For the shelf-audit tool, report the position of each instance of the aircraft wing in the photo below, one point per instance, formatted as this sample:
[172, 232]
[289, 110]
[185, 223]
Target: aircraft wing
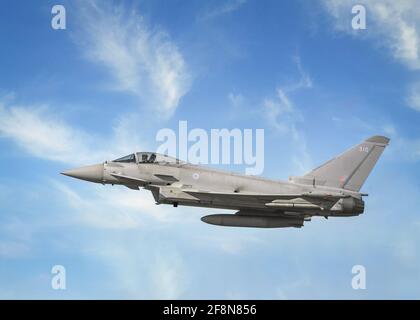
[257, 197]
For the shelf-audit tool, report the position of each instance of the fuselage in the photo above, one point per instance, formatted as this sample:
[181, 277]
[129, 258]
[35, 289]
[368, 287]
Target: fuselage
[158, 175]
[331, 189]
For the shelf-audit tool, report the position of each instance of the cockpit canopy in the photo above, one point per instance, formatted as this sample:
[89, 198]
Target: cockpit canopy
[129, 158]
[148, 157]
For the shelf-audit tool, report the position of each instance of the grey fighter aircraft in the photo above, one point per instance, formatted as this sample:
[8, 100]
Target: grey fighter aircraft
[331, 189]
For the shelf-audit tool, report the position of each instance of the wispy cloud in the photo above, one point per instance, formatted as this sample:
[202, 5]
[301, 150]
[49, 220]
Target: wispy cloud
[354, 122]
[392, 24]
[280, 112]
[143, 60]
[45, 135]
[95, 212]
[304, 81]
[169, 276]
[121, 211]
[231, 242]
[413, 98]
[227, 7]
[236, 100]
[282, 115]
[402, 148]
[12, 249]
[119, 208]
[140, 270]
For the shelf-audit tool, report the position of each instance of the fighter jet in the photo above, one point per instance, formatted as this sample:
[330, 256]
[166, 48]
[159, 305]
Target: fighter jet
[330, 190]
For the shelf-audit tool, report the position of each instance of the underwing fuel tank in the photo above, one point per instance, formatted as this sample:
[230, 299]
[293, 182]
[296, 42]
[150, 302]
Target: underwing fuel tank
[235, 220]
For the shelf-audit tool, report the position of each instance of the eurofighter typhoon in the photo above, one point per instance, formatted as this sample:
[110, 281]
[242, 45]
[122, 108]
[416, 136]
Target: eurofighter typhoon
[330, 190]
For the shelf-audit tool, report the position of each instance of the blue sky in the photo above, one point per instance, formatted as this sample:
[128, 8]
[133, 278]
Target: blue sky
[123, 70]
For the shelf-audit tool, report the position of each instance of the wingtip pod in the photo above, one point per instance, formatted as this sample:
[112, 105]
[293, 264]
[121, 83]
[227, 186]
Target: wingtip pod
[379, 139]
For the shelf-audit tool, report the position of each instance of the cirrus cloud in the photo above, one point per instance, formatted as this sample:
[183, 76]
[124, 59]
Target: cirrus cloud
[391, 24]
[143, 61]
[47, 136]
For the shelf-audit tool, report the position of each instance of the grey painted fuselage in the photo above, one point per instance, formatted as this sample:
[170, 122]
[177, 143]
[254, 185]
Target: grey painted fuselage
[329, 190]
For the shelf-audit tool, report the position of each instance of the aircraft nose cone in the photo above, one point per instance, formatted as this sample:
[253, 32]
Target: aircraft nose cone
[93, 173]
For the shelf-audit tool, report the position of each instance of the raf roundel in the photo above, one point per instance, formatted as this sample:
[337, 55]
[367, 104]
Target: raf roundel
[196, 176]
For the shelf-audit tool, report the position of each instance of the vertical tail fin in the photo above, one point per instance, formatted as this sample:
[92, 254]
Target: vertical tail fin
[350, 169]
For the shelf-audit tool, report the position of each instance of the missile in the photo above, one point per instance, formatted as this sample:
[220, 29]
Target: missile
[291, 205]
[235, 220]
